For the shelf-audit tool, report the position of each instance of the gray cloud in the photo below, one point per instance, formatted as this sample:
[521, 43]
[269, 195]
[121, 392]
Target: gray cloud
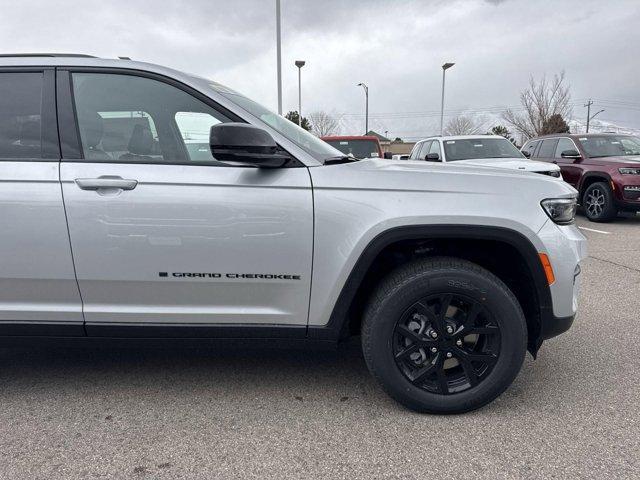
[396, 47]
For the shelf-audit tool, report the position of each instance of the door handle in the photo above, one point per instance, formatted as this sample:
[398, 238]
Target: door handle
[106, 182]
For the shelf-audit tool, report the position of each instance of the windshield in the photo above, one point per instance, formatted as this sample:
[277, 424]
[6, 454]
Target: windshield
[357, 148]
[317, 148]
[468, 148]
[610, 146]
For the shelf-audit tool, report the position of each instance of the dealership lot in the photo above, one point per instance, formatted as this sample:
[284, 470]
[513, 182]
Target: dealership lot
[257, 413]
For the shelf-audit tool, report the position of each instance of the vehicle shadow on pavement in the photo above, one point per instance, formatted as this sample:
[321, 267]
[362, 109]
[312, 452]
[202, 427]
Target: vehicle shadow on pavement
[235, 375]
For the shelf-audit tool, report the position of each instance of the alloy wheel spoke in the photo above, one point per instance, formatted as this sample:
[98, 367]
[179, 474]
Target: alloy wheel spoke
[469, 371]
[443, 385]
[487, 358]
[407, 351]
[423, 373]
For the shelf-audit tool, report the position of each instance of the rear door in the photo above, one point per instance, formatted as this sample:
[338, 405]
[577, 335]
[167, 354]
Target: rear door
[570, 171]
[163, 234]
[38, 290]
[547, 150]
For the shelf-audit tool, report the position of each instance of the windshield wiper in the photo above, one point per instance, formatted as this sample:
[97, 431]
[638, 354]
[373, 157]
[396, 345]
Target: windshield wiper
[339, 159]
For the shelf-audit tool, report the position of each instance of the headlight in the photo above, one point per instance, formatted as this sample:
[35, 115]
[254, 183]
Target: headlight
[629, 171]
[560, 210]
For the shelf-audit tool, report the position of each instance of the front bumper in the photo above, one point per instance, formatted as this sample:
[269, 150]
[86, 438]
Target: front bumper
[566, 248]
[553, 326]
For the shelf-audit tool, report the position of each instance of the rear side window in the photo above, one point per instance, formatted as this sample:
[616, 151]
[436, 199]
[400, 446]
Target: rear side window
[548, 148]
[21, 115]
[415, 151]
[530, 147]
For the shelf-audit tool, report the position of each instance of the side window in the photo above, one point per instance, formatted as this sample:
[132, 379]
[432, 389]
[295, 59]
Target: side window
[415, 151]
[21, 115]
[548, 148]
[530, 148]
[424, 150]
[435, 148]
[194, 128]
[564, 144]
[125, 118]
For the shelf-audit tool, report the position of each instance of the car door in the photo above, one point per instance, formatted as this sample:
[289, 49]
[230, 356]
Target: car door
[546, 152]
[165, 236]
[38, 290]
[570, 171]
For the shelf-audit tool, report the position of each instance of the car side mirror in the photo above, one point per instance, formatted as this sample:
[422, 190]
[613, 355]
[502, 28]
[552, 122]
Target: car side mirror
[526, 154]
[388, 155]
[574, 154]
[432, 157]
[245, 144]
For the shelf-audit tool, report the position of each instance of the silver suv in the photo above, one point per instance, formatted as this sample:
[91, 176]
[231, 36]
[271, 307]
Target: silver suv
[139, 202]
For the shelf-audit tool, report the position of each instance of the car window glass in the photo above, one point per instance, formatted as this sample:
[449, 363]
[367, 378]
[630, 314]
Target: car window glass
[548, 147]
[126, 118]
[194, 128]
[530, 147]
[563, 145]
[424, 150]
[435, 148]
[415, 151]
[20, 115]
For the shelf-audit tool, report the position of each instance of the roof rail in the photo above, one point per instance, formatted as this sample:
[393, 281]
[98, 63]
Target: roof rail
[4, 55]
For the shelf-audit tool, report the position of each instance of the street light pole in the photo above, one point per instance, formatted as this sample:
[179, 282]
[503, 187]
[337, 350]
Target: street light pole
[445, 67]
[366, 111]
[279, 56]
[300, 64]
[589, 116]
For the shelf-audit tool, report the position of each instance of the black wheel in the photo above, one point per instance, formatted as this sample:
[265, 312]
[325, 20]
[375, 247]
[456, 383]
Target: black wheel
[598, 202]
[444, 336]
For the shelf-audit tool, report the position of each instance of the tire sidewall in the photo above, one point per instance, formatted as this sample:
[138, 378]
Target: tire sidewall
[491, 295]
[609, 210]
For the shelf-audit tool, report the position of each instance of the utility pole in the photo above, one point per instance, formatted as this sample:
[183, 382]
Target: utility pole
[279, 56]
[366, 108]
[445, 67]
[588, 105]
[300, 64]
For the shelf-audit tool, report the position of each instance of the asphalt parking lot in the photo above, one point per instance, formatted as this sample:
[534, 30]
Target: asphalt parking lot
[202, 413]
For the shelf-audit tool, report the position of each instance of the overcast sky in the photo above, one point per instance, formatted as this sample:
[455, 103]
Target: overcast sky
[396, 47]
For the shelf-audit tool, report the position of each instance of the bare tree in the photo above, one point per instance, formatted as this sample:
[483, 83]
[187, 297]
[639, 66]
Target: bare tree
[540, 101]
[323, 124]
[463, 125]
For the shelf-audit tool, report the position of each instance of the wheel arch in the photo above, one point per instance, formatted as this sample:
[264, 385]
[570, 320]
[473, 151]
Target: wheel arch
[475, 243]
[590, 178]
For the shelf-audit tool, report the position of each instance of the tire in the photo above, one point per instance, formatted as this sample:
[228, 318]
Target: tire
[598, 202]
[478, 302]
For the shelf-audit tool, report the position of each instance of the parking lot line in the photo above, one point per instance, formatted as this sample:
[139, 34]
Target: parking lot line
[594, 230]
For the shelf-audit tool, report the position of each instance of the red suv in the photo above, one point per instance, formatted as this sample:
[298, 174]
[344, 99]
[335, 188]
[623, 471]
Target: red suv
[603, 167]
[365, 146]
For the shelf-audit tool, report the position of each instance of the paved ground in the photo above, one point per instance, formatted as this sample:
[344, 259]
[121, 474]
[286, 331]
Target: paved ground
[573, 413]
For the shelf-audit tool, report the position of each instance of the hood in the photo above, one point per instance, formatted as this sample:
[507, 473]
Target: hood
[451, 178]
[511, 163]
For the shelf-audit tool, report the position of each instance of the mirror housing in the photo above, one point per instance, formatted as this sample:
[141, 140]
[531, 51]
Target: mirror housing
[525, 153]
[388, 155]
[432, 157]
[243, 143]
[574, 154]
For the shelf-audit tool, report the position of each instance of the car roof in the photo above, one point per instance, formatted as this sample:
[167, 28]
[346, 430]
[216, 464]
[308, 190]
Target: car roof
[580, 135]
[458, 137]
[349, 137]
[83, 60]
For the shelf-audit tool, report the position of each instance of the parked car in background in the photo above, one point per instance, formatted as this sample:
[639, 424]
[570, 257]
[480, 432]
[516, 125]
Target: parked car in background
[400, 157]
[604, 168]
[481, 150]
[357, 146]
